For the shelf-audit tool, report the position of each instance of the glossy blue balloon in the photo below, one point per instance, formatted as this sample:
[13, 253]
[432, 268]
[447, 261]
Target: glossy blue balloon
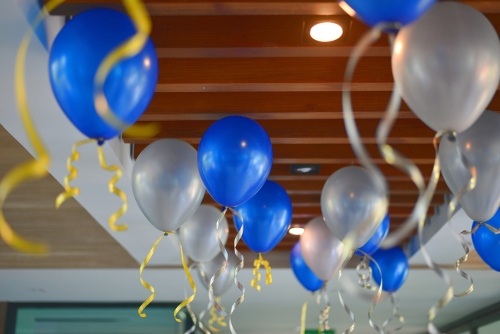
[304, 275]
[372, 12]
[75, 55]
[376, 240]
[394, 266]
[267, 217]
[234, 159]
[487, 243]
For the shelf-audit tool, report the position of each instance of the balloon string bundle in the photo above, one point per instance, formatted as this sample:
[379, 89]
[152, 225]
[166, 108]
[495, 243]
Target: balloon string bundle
[196, 322]
[304, 314]
[365, 279]
[33, 169]
[73, 191]
[395, 314]
[150, 288]
[219, 319]
[324, 313]
[224, 267]
[344, 305]
[257, 263]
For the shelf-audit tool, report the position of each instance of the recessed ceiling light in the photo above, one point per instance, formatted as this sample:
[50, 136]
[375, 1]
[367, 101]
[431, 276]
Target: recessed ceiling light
[326, 32]
[296, 230]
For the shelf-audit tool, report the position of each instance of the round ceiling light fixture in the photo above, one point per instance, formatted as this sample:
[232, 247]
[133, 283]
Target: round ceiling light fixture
[296, 230]
[326, 32]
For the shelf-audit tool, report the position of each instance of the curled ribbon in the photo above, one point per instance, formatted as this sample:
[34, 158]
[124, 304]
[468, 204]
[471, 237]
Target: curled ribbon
[224, 267]
[469, 186]
[365, 279]
[112, 189]
[324, 313]
[36, 168]
[395, 313]
[344, 305]
[219, 319]
[73, 173]
[257, 263]
[150, 288]
[304, 313]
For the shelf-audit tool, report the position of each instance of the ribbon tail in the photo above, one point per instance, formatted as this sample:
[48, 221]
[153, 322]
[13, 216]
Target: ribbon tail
[379, 293]
[146, 285]
[267, 266]
[212, 320]
[395, 313]
[238, 268]
[193, 286]
[304, 313]
[256, 273]
[431, 187]
[220, 319]
[33, 169]
[202, 314]
[113, 189]
[220, 271]
[344, 305]
[324, 314]
[70, 191]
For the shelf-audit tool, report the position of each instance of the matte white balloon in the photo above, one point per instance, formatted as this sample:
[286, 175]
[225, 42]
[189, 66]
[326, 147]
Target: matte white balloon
[352, 204]
[210, 268]
[447, 65]
[480, 144]
[198, 234]
[166, 183]
[321, 249]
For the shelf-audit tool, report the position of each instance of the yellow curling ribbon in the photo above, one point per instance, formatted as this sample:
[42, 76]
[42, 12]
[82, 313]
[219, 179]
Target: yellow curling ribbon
[128, 49]
[219, 319]
[112, 189]
[304, 313]
[257, 263]
[36, 168]
[73, 173]
[150, 288]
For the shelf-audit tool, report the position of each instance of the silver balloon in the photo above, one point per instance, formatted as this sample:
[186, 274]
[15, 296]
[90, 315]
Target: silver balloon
[198, 234]
[207, 269]
[480, 144]
[321, 249]
[166, 183]
[352, 206]
[447, 65]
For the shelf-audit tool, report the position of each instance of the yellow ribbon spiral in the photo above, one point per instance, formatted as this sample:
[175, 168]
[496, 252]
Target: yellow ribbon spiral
[112, 189]
[219, 319]
[150, 288]
[304, 313]
[34, 169]
[257, 263]
[73, 173]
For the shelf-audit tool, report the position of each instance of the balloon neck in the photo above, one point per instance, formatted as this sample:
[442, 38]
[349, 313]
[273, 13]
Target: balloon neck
[100, 141]
[452, 136]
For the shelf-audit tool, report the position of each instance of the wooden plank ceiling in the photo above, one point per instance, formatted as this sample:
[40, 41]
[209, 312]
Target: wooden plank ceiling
[219, 58]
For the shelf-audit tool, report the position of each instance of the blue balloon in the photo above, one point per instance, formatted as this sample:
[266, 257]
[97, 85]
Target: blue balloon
[234, 159]
[372, 12]
[75, 55]
[376, 240]
[304, 275]
[267, 217]
[394, 266]
[487, 243]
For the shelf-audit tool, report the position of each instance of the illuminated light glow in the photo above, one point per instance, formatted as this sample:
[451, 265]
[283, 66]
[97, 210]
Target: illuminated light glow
[147, 62]
[296, 230]
[304, 169]
[326, 32]
[243, 144]
[398, 47]
[347, 8]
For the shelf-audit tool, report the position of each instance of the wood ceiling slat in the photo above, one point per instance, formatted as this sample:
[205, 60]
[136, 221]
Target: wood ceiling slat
[270, 70]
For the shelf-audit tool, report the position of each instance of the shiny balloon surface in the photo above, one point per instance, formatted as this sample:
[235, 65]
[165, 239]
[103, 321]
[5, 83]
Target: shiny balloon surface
[166, 183]
[487, 243]
[198, 233]
[75, 55]
[480, 144]
[352, 204]
[267, 217]
[376, 240]
[210, 268]
[302, 272]
[234, 158]
[394, 266]
[447, 65]
[322, 251]
[372, 12]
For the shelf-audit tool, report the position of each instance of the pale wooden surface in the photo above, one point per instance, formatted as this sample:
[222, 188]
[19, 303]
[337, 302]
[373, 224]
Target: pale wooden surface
[76, 240]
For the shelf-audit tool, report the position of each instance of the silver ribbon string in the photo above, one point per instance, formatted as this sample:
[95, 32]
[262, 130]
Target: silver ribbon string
[324, 313]
[344, 305]
[364, 280]
[395, 314]
[224, 267]
[196, 323]
[452, 207]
